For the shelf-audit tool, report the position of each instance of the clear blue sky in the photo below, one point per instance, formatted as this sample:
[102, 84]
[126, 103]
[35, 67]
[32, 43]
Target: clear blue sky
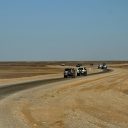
[63, 30]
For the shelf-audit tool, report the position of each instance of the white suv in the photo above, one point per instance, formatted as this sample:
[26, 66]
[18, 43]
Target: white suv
[81, 71]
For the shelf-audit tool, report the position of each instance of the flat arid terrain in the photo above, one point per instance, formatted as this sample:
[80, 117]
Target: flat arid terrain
[35, 95]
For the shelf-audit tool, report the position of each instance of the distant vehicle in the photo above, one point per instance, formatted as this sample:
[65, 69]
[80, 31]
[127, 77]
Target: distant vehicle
[91, 64]
[78, 65]
[102, 66]
[69, 73]
[62, 64]
[81, 71]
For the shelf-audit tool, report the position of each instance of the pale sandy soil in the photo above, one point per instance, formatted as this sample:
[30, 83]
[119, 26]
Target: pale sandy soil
[99, 101]
[57, 72]
[4, 82]
[48, 72]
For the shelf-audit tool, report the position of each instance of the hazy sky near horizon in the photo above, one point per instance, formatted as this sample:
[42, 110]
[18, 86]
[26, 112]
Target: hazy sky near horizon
[63, 30]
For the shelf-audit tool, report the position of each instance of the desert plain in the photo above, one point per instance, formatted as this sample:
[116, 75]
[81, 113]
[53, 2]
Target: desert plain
[98, 100]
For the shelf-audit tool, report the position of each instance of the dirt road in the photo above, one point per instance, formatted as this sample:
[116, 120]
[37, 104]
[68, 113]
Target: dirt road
[99, 101]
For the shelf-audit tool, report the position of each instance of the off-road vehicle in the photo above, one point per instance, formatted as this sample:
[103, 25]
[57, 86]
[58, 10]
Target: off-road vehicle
[81, 71]
[69, 73]
[78, 65]
[102, 66]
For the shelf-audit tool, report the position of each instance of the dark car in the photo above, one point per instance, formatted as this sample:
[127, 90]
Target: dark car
[69, 73]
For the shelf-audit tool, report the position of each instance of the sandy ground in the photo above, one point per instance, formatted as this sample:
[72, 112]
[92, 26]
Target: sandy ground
[49, 72]
[99, 101]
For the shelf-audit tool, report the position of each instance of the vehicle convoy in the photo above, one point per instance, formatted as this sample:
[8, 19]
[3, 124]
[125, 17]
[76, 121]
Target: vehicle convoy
[69, 73]
[81, 71]
[102, 66]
